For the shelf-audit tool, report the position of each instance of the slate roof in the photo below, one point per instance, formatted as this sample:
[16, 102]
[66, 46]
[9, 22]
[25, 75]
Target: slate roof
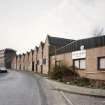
[56, 41]
[88, 43]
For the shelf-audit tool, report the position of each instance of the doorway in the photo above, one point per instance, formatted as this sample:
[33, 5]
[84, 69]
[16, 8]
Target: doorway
[41, 67]
[32, 66]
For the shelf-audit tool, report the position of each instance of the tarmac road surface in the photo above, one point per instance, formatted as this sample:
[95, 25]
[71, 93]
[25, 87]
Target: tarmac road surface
[24, 88]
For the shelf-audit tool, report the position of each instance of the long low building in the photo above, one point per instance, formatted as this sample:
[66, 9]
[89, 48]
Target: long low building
[87, 55]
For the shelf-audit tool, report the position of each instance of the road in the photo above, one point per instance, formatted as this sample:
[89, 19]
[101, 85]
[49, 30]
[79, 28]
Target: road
[25, 88]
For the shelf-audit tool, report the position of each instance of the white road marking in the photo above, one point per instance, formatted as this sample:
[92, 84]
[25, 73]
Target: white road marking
[66, 98]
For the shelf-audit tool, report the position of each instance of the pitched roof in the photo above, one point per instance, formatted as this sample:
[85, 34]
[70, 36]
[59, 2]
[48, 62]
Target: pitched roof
[58, 41]
[36, 48]
[42, 44]
[88, 43]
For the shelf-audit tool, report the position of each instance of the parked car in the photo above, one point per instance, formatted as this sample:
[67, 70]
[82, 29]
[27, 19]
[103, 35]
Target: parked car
[3, 70]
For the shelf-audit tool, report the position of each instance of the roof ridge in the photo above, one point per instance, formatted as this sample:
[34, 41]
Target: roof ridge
[59, 37]
[91, 37]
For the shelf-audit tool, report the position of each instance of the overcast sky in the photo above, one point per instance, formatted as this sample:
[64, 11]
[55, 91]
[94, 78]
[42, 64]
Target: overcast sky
[24, 23]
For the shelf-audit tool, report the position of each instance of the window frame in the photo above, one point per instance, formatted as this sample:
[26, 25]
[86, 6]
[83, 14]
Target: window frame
[101, 69]
[79, 63]
[74, 63]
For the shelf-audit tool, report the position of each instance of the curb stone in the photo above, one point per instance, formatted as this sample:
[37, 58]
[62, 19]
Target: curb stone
[77, 90]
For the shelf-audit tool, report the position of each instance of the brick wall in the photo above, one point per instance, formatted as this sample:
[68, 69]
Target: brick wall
[91, 70]
[92, 63]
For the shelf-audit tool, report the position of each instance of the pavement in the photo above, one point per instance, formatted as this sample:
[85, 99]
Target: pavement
[76, 89]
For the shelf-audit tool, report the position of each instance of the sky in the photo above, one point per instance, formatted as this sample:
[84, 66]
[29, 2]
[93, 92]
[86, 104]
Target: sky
[24, 23]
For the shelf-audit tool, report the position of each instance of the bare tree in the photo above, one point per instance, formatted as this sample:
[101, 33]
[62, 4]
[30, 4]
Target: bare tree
[98, 31]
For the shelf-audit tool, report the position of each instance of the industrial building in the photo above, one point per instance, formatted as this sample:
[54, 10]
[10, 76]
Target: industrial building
[86, 55]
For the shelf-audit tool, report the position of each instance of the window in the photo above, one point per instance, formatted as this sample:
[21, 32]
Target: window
[101, 63]
[76, 63]
[44, 61]
[80, 63]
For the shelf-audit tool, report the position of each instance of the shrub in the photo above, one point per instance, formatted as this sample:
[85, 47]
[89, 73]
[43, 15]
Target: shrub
[62, 73]
[56, 73]
[83, 82]
[70, 76]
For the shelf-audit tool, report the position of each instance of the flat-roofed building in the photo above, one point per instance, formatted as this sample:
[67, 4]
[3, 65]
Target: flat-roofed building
[6, 57]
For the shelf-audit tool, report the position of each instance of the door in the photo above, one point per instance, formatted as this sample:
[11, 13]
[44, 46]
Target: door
[32, 66]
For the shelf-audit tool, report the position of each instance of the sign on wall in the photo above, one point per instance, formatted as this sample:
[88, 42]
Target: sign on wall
[79, 54]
